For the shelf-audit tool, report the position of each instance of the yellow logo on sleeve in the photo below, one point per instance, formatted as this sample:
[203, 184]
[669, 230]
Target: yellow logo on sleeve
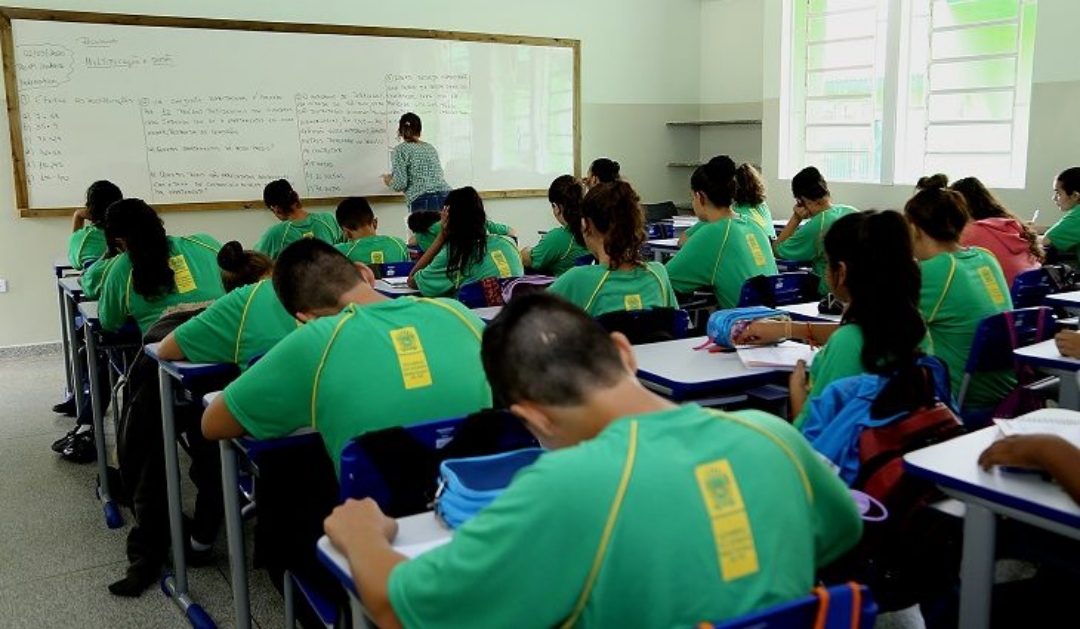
[500, 261]
[633, 302]
[755, 250]
[185, 281]
[415, 372]
[377, 257]
[992, 288]
[732, 534]
[308, 235]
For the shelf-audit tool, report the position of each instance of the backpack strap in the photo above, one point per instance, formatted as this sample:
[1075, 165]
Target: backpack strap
[845, 610]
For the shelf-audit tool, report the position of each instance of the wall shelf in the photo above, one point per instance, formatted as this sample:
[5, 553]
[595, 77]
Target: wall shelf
[714, 123]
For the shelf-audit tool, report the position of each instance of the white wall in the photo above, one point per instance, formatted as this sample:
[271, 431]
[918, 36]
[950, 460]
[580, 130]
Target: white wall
[640, 68]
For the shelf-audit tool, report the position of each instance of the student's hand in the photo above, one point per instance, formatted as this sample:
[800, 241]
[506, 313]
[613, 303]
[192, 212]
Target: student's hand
[761, 333]
[1027, 451]
[358, 520]
[82, 214]
[1068, 343]
[386, 179]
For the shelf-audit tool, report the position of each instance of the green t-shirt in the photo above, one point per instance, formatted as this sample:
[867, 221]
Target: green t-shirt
[759, 215]
[959, 290]
[375, 249]
[1065, 234]
[556, 252]
[316, 225]
[236, 328]
[501, 259]
[695, 228]
[723, 514]
[86, 245]
[392, 363]
[92, 278]
[807, 244]
[425, 239]
[196, 277]
[840, 358]
[598, 290]
[722, 255]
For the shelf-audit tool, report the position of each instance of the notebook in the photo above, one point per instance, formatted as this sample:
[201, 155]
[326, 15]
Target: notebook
[782, 356]
[1046, 421]
[397, 281]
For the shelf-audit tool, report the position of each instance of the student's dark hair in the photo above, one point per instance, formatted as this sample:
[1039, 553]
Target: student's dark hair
[354, 213]
[981, 203]
[614, 209]
[543, 349]
[809, 183]
[99, 196]
[605, 170]
[716, 180]
[938, 180]
[240, 267]
[568, 193]
[421, 222]
[466, 230]
[749, 186]
[146, 244]
[940, 212]
[1070, 179]
[311, 274]
[280, 194]
[883, 280]
[409, 127]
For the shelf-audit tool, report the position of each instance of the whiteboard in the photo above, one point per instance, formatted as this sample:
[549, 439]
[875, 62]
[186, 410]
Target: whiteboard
[182, 116]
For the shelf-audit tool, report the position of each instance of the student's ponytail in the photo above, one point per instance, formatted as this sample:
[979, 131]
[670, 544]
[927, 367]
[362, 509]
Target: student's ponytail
[749, 186]
[716, 180]
[240, 267]
[568, 193]
[605, 170]
[940, 213]
[614, 210]
[143, 234]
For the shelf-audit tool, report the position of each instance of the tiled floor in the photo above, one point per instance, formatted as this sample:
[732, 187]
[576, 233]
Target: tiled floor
[56, 555]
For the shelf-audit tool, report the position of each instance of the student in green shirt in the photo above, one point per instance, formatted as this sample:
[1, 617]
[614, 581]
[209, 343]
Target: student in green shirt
[729, 249]
[813, 203]
[87, 242]
[871, 268]
[1065, 234]
[749, 203]
[558, 250]
[644, 514]
[602, 170]
[961, 286]
[464, 252]
[362, 241]
[155, 273]
[295, 222]
[426, 227]
[361, 362]
[240, 326]
[613, 225]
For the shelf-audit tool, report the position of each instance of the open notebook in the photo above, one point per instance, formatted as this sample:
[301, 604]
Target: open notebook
[1052, 421]
[782, 356]
[398, 281]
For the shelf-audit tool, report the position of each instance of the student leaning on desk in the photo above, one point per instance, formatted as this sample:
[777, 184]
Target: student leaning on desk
[647, 514]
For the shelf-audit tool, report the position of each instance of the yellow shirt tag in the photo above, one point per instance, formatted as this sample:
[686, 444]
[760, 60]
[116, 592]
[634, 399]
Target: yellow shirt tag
[185, 281]
[633, 302]
[755, 250]
[377, 257]
[992, 288]
[411, 357]
[500, 261]
[732, 534]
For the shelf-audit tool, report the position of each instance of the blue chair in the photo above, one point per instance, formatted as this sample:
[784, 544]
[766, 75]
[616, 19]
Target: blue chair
[779, 290]
[651, 325]
[586, 260]
[1030, 288]
[992, 350]
[393, 269]
[847, 606]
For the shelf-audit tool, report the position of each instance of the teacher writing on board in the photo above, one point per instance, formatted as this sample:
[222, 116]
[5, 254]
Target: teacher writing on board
[416, 169]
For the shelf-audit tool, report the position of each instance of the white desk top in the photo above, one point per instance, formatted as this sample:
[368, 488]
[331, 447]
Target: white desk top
[70, 285]
[417, 534]
[676, 369]
[810, 311]
[1064, 299]
[488, 313]
[1046, 354]
[953, 465]
[209, 398]
[89, 310]
[394, 291]
[671, 244]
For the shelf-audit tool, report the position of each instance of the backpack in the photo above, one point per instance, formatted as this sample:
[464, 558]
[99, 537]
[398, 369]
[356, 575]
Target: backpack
[517, 286]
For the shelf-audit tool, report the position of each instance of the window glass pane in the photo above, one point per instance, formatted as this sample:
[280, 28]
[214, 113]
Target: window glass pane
[839, 138]
[989, 168]
[821, 6]
[842, 26]
[968, 42]
[958, 13]
[843, 110]
[973, 74]
[845, 166]
[840, 82]
[969, 138]
[976, 106]
[840, 54]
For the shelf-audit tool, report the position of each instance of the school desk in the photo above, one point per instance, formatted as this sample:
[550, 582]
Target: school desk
[488, 313]
[97, 340]
[416, 534]
[953, 466]
[662, 247]
[383, 287]
[187, 376]
[70, 293]
[809, 312]
[61, 268]
[1069, 301]
[1046, 357]
[678, 371]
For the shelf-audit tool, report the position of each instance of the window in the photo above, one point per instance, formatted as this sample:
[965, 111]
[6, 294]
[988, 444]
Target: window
[885, 91]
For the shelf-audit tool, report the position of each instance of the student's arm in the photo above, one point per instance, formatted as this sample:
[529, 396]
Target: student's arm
[361, 531]
[433, 280]
[500, 229]
[766, 332]
[687, 269]
[168, 348]
[218, 422]
[399, 171]
[1068, 343]
[1058, 457]
[792, 226]
[113, 309]
[428, 257]
[797, 244]
[78, 219]
[798, 389]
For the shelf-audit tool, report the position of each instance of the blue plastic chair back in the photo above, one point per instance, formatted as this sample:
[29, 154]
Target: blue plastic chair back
[586, 260]
[393, 269]
[1030, 288]
[785, 288]
[847, 606]
[998, 335]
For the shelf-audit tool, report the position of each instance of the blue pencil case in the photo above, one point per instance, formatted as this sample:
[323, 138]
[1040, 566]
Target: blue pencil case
[468, 485]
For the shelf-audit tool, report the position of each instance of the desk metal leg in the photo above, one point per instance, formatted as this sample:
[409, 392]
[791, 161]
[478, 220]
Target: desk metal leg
[112, 513]
[176, 585]
[234, 532]
[1069, 393]
[77, 369]
[658, 256]
[977, 570]
[65, 336]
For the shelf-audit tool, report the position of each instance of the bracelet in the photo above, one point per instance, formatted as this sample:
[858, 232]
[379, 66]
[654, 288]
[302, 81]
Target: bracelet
[810, 335]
